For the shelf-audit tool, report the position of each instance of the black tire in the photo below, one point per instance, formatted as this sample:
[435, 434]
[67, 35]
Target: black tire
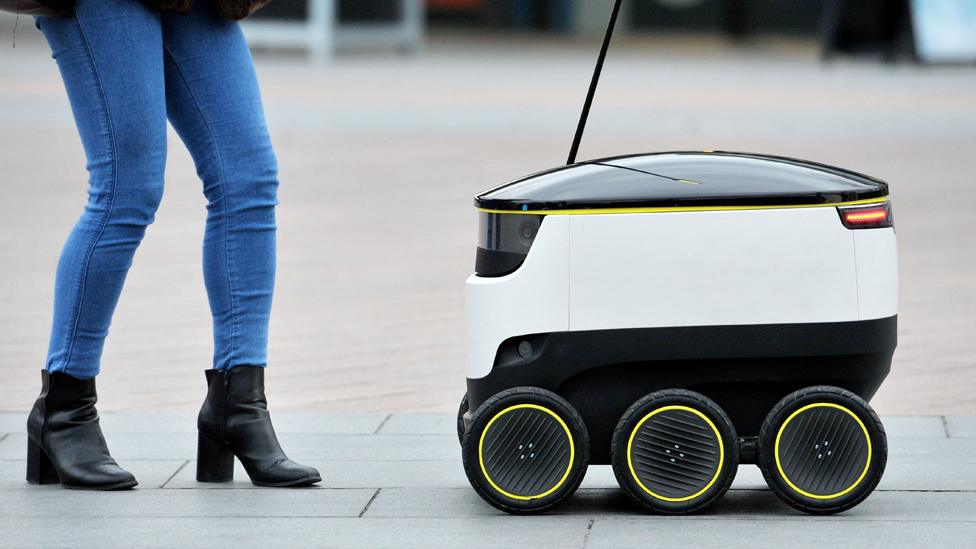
[462, 409]
[526, 450]
[822, 450]
[675, 452]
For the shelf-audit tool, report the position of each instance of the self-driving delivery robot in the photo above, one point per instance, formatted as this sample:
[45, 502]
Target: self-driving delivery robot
[675, 315]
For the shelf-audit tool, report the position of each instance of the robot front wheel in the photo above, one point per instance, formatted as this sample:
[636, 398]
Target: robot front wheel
[525, 450]
[675, 452]
[822, 450]
[462, 409]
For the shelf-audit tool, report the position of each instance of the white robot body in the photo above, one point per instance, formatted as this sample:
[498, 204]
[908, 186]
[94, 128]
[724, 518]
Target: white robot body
[678, 266]
[588, 270]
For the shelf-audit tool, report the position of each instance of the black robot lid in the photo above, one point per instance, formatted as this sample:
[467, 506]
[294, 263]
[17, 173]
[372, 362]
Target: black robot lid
[683, 180]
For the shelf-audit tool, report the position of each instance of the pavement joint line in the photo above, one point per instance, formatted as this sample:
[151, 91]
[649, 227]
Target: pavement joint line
[387, 418]
[171, 477]
[370, 502]
[586, 535]
[945, 426]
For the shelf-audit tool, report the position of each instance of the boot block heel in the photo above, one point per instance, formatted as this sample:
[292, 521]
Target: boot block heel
[40, 470]
[215, 462]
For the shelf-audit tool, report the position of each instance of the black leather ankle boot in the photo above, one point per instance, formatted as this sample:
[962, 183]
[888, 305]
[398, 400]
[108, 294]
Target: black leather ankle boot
[234, 421]
[65, 443]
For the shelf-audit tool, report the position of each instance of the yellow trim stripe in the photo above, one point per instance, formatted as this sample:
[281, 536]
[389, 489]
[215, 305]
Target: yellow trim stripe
[595, 211]
[569, 467]
[721, 453]
[867, 463]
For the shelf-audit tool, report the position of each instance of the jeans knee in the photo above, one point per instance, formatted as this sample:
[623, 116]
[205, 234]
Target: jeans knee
[261, 183]
[140, 171]
[250, 183]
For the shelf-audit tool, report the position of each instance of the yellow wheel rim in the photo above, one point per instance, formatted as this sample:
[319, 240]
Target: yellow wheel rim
[718, 468]
[867, 462]
[569, 466]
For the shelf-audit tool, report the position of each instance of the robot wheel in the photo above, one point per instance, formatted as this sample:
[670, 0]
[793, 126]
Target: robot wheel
[526, 450]
[822, 450]
[674, 452]
[462, 409]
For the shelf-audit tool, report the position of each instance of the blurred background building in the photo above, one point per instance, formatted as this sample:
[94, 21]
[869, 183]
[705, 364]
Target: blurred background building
[890, 28]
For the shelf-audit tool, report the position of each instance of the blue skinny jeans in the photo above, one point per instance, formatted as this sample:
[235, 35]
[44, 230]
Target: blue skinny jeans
[127, 69]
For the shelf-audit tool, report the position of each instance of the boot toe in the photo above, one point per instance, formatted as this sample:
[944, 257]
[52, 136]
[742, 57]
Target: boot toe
[105, 477]
[287, 473]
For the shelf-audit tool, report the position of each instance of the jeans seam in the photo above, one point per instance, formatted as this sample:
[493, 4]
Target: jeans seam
[225, 208]
[111, 204]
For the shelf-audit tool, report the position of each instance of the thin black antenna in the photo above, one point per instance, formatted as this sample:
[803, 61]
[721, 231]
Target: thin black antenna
[596, 79]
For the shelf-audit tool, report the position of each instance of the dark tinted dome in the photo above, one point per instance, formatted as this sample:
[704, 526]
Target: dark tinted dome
[680, 179]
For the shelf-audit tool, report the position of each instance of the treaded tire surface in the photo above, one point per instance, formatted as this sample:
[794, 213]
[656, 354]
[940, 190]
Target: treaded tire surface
[462, 409]
[502, 467]
[811, 475]
[674, 452]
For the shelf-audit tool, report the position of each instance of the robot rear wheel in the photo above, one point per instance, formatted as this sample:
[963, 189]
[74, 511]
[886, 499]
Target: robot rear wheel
[526, 450]
[675, 452]
[822, 450]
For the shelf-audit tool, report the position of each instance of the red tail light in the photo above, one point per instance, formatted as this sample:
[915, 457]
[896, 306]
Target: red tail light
[874, 216]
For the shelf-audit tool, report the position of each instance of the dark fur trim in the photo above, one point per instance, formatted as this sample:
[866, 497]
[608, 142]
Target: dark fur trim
[238, 9]
[179, 6]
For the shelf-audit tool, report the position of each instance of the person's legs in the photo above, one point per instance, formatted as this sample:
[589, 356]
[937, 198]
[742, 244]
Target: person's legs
[110, 57]
[214, 103]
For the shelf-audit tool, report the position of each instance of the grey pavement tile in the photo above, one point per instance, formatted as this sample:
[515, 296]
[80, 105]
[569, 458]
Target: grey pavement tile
[13, 422]
[930, 464]
[961, 426]
[426, 424]
[123, 446]
[464, 502]
[305, 502]
[372, 447]
[881, 505]
[346, 533]
[362, 423]
[355, 474]
[151, 473]
[914, 426]
[803, 531]
[183, 445]
[736, 504]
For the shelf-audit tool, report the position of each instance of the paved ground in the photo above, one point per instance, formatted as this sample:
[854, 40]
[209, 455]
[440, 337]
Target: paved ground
[396, 481]
[380, 156]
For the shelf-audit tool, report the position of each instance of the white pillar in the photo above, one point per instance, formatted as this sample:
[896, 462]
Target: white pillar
[322, 20]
